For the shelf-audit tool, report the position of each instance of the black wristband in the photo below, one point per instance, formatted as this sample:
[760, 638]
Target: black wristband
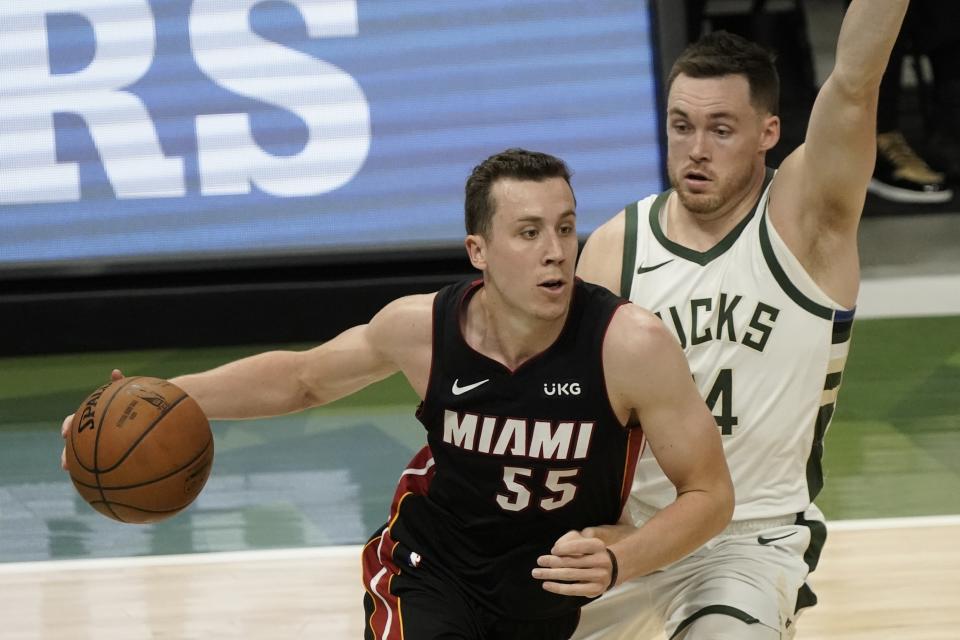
[614, 569]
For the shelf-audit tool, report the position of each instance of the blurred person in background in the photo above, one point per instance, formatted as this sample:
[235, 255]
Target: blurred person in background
[912, 167]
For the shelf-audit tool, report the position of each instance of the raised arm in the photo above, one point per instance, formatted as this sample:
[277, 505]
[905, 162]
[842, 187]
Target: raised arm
[278, 382]
[818, 195]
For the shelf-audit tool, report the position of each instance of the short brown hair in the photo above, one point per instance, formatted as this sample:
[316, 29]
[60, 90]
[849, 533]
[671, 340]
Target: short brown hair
[721, 54]
[512, 163]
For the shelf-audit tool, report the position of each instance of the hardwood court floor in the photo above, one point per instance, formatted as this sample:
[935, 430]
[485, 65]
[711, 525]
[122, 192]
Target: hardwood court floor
[875, 582]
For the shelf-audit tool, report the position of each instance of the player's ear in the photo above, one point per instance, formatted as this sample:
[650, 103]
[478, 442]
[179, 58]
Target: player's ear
[769, 132]
[476, 246]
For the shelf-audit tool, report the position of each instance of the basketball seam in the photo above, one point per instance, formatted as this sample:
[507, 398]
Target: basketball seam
[73, 444]
[141, 484]
[96, 446]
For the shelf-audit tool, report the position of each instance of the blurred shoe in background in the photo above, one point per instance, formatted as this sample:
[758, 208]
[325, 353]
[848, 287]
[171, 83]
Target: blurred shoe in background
[902, 175]
[943, 153]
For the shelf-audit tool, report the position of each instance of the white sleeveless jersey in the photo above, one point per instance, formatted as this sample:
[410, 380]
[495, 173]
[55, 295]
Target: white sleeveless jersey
[766, 347]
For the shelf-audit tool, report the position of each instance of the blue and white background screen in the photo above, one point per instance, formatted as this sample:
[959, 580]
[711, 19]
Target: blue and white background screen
[136, 130]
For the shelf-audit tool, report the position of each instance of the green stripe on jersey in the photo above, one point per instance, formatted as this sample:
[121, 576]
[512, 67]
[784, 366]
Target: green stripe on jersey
[780, 275]
[629, 249]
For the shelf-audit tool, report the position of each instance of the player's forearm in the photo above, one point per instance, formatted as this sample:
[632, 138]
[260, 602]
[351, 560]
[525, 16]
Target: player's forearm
[867, 36]
[674, 532]
[262, 385]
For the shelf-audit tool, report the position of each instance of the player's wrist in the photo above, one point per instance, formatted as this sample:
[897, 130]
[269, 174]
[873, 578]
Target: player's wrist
[614, 569]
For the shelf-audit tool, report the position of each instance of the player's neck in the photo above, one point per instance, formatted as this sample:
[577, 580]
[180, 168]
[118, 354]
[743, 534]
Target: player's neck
[506, 334]
[702, 231]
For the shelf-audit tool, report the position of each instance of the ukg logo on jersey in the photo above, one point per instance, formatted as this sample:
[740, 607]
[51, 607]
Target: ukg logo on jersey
[561, 388]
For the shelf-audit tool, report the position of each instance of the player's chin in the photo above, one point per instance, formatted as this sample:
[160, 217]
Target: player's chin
[552, 309]
[701, 202]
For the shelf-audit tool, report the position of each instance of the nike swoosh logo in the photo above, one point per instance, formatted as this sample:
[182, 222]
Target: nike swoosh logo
[763, 540]
[458, 390]
[643, 269]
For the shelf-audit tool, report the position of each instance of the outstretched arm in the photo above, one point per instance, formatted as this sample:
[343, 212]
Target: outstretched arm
[279, 382]
[818, 196]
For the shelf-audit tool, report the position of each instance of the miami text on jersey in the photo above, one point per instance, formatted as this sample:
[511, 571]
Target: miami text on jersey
[540, 439]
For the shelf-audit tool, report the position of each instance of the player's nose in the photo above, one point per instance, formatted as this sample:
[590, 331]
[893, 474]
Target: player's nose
[553, 250]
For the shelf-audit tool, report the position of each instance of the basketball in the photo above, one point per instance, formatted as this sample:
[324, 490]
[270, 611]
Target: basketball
[139, 450]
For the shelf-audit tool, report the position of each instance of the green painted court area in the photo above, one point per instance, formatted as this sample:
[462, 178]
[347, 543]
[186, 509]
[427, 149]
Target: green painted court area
[326, 476]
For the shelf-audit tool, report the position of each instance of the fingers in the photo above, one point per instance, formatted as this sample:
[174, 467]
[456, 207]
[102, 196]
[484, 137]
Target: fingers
[575, 562]
[64, 430]
[115, 375]
[65, 426]
[577, 545]
[575, 574]
[568, 536]
[585, 589]
[572, 581]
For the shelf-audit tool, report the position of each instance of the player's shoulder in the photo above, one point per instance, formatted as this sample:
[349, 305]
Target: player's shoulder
[415, 304]
[637, 349]
[599, 261]
[610, 231]
[412, 308]
[636, 333]
[404, 320]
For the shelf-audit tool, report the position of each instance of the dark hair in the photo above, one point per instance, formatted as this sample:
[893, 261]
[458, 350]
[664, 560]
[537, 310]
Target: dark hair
[512, 163]
[721, 54]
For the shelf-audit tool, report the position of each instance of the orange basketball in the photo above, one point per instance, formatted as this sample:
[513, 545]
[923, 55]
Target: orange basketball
[139, 449]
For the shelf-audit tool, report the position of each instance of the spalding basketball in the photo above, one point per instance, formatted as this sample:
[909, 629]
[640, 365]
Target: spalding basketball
[139, 450]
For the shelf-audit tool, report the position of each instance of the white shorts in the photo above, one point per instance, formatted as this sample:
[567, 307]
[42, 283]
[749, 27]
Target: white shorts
[753, 571]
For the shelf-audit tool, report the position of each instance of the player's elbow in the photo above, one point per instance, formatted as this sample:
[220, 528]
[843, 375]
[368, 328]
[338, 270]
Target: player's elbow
[855, 87]
[722, 501]
[720, 512]
[726, 501]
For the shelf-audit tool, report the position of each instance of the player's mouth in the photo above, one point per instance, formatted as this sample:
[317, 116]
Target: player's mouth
[696, 179]
[554, 285]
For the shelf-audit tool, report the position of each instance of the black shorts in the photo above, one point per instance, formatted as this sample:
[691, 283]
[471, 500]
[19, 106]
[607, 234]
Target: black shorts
[413, 603]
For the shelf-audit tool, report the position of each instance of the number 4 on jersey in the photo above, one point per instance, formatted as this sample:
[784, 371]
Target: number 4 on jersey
[722, 391]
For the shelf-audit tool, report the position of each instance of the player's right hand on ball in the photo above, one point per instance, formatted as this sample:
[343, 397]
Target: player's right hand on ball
[115, 375]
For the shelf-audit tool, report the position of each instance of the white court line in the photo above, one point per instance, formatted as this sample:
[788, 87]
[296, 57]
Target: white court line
[213, 557]
[893, 523]
[909, 297]
[345, 551]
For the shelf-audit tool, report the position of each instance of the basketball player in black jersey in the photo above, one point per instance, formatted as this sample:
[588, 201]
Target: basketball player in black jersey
[538, 392]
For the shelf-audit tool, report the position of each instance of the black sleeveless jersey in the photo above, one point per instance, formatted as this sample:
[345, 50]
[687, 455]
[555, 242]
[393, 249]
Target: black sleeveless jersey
[521, 457]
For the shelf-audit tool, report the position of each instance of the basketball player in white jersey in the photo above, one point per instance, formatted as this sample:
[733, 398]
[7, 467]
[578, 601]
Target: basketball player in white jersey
[756, 274]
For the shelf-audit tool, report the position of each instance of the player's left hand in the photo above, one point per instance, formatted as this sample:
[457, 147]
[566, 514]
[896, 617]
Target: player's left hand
[576, 566]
